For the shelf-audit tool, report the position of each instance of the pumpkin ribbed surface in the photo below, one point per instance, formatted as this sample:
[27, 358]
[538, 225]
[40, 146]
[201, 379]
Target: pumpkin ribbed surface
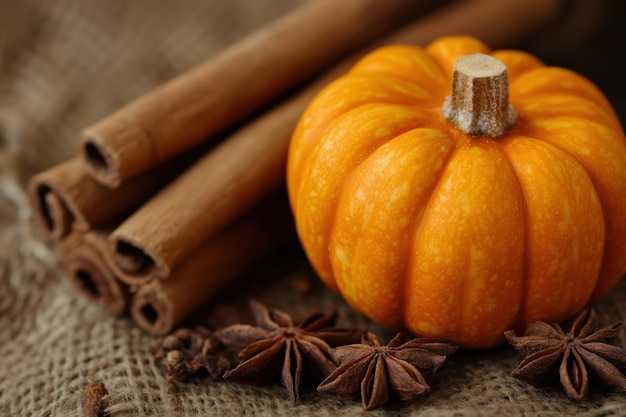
[422, 226]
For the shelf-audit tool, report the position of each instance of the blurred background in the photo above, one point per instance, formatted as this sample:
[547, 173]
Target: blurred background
[593, 45]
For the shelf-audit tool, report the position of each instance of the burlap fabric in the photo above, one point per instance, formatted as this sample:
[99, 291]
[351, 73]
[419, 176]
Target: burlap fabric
[63, 65]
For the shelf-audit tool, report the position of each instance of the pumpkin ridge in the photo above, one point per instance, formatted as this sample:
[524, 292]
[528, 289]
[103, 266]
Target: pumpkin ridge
[303, 135]
[363, 106]
[306, 159]
[416, 231]
[381, 202]
[405, 120]
[600, 183]
[519, 323]
[396, 80]
[517, 62]
[543, 80]
[385, 61]
[398, 84]
[467, 309]
[563, 105]
[564, 280]
[417, 221]
[441, 249]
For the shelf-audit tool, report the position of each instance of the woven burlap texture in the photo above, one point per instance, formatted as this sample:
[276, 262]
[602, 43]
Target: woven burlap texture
[67, 63]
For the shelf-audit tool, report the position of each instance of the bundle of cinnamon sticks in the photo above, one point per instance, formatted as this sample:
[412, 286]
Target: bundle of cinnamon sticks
[153, 223]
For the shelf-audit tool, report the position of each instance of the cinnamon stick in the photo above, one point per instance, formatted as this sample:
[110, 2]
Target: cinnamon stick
[497, 23]
[90, 273]
[209, 195]
[160, 305]
[234, 83]
[251, 162]
[64, 199]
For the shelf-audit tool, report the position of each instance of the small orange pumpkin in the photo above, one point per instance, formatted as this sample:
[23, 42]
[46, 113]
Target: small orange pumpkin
[455, 233]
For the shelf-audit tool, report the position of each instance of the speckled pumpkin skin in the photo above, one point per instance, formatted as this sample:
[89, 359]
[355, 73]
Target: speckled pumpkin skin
[423, 227]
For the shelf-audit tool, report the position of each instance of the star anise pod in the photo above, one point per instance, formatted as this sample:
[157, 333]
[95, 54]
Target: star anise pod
[375, 373]
[275, 347]
[551, 354]
[186, 352]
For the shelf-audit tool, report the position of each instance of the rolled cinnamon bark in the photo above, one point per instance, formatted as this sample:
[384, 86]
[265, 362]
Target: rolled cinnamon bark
[251, 162]
[64, 199]
[234, 83]
[497, 23]
[160, 305]
[90, 273]
[209, 195]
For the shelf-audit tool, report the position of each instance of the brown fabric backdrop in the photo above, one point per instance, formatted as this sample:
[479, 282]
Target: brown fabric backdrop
[67, 63]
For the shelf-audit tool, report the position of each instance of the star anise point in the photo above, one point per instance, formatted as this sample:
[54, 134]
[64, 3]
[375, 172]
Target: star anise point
[573, 357]
[277, 348]
[376, 373]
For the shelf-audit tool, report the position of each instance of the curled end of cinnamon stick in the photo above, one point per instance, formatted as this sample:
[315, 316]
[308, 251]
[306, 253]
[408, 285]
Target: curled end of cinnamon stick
[100, 163]
[152, 312]
[50, 210]
[133, 264]
[90, 275]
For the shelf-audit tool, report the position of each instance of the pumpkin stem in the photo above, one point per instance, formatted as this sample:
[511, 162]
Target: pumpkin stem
[479, 101]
